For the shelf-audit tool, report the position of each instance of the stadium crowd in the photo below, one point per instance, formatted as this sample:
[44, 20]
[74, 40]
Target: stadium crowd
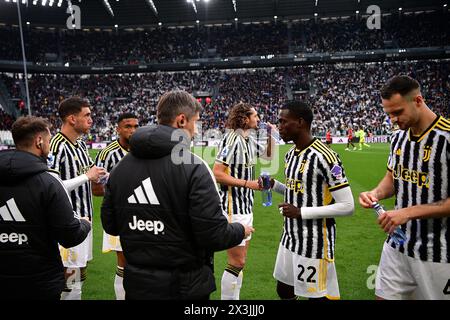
[352, 34]
[6, 120]
[340, 94]
[349, 94]
[169, 44]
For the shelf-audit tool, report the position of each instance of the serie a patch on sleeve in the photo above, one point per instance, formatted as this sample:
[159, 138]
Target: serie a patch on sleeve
[336, 171]
[224, 152]
[50, 160]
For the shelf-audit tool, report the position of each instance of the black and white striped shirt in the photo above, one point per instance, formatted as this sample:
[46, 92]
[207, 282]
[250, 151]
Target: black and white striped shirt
[110, 156]
[311, 175]
[420, 168]
[239, 154]
[71, 160]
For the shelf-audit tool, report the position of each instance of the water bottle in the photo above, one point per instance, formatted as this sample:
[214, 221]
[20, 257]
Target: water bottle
[266, 191]
[398, 235]
[103, 179]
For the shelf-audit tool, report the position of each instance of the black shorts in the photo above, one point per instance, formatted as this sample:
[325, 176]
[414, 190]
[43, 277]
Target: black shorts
[328, 142]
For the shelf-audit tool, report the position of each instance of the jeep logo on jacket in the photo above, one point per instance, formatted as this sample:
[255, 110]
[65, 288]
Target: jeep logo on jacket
[155, 226]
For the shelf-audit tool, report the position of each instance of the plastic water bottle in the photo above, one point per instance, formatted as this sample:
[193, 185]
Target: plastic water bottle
[103, 179]
[266, 192]
[398, 235]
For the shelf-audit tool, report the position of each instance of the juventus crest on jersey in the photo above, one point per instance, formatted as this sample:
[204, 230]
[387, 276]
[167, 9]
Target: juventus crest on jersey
[311, 175]
[419, 166]
[71, 160]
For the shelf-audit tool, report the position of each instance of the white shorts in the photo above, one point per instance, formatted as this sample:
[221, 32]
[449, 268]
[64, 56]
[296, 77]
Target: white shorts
[400, 277]
[311, 278]
[246, 219]
[78, 256]
[111, 243]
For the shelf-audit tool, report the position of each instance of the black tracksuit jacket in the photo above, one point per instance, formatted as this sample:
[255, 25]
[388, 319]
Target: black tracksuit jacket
[35, 214]
[168, 235]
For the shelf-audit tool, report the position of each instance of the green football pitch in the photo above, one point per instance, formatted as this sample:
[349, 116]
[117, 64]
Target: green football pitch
[358, 243]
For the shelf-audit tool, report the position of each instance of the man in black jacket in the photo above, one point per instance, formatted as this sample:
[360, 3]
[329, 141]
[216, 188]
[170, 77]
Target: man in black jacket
[35, 214]
[163, 202]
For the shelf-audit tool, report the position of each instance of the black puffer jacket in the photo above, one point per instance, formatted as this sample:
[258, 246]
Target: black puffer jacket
[35, 214]
[168, 216]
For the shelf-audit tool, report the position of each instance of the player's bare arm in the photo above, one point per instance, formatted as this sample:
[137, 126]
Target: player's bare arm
[384, 190]
[391, 219]
[222, 177]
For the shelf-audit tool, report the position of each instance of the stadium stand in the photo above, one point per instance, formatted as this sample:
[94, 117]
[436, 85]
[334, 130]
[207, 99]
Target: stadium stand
[341, 94]
[153, 45]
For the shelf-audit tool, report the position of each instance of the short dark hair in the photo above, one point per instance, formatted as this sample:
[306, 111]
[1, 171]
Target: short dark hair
[175, 102]
[299, 109]
[126, 115]
[238, 113]
[399, 84]
[72, 106]
[25, 129]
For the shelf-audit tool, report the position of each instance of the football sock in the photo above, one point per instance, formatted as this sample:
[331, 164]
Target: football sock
[118, 284]
[229, 285]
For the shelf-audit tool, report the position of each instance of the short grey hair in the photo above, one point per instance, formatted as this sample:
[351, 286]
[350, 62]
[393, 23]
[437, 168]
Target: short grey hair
[175, 102]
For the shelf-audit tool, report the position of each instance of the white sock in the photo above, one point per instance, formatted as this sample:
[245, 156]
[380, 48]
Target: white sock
[118, 284]
[229, 286]
[239, 285]
[65, 294]
[74, 292]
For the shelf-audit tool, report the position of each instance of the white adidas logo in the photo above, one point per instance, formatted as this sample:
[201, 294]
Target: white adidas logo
[144, 195]
[10, 212]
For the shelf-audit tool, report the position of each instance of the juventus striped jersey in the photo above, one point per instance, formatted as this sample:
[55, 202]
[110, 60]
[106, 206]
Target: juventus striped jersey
[420, 168]
[311, 175]
[110, 156]
[71, 160]
[239, 155]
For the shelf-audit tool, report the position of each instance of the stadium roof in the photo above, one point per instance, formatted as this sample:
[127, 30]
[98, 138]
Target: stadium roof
[108, 13]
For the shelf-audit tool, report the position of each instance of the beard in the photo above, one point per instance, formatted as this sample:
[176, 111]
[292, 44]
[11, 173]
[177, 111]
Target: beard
[81, 131]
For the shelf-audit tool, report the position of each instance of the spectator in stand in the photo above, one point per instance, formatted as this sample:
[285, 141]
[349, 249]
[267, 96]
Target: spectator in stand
[328, 139]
